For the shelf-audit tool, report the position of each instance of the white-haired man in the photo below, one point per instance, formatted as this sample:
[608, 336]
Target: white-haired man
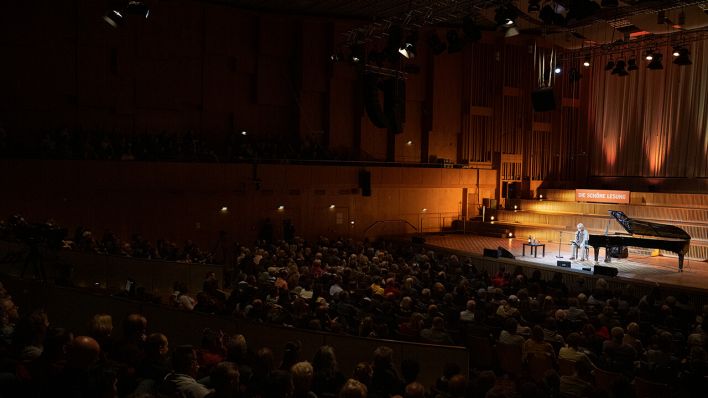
[581, 243]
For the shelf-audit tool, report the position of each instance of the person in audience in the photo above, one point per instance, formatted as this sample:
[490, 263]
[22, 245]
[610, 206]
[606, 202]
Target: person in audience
[468, 314]
[155, 366]
[181, 381]
[9, 315]
[436, 334]
[509, 333]
[385, 380]
[536, 344]
[580, 383]
[617, 355]
[572, 351]
[302, 380]
[101, 329]
[327, 377]
[225, 381]
[353, 389]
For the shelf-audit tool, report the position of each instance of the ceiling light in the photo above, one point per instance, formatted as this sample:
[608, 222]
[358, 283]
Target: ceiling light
[655, 63]
[586, 62]
[557, 70]
[505, 16]
[676, 52]
[332, 206]
[632, 64]
[684, 57]
[114, 18]
[357, 53]
[138, 8]
[244, 132]
[408, 48]
[610, 65]
[649, 56]
[409, 142]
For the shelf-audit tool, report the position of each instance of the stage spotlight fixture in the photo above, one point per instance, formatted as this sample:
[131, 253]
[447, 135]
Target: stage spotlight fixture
[334, 57]
[632, 64]
[609, 3]
[534, 5]
[138, 8]
[649, 56]
[511, 32]
[557, 70]
[470, 29]
[610, 65]
[244, 132]
[114, 18]
[408, 48]
[454, 44]
[676, 52]
[655, 63]
[510, 234]
[505, 16]
[357, 54]
[436, 44]
[619, 69]
[684, 57]
[332, 206]
[586, 62]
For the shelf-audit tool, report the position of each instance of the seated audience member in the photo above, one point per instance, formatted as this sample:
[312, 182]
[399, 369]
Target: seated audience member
[508, 334]
[414, 390]
[436, 334]
[181, 382]
[618, 357]
[327, 377]
[353, 389]
[572, 352]
[580, 383]
[363, 373]
[302, 380]
[155, 366]
[468, 314]
[385, 380]
[225, 381]
[181, 299]
[101, 329]
[536, 345]
[211, 352]
[279, 385]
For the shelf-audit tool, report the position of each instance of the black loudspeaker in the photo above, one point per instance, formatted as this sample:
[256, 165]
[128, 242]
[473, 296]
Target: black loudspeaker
[419, 240]
[505, 253]
[494, 253]
[603, 270]
[372, 103]
[395, 104]
[365, 182]
[543, 99]
[565, 264]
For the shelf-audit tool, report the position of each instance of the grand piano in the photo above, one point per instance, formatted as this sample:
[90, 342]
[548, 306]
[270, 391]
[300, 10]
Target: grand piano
[642, 234]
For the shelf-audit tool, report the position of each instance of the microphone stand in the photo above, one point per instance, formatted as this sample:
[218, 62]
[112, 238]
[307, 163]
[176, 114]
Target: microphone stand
[560, 242]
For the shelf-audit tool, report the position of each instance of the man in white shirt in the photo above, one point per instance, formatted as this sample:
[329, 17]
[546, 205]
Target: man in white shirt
[580, 243]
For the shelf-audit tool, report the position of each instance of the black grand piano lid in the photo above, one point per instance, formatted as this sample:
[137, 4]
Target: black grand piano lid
[638, 227]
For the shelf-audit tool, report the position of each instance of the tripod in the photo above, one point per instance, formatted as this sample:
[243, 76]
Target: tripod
[560, 242]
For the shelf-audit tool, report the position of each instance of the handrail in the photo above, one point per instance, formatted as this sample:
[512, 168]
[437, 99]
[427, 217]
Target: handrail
[388, 221]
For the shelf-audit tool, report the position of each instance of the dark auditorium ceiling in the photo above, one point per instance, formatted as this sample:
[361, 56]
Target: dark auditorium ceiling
[602, 25]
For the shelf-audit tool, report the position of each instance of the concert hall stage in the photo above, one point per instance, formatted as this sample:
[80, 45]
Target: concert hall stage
[640, 268]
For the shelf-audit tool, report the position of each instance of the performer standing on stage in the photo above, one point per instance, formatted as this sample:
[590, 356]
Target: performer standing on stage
[580, 243]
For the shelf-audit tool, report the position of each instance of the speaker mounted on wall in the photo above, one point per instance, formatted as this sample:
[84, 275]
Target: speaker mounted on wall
[543, 99]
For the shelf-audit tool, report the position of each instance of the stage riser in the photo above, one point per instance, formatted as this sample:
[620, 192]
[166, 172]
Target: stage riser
[658, 213]
[638, 198]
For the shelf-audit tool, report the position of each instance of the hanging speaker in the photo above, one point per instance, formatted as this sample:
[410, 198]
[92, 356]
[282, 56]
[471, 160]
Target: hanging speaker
[371, 101]
[395, 103]
[365, 182]
[543, 99]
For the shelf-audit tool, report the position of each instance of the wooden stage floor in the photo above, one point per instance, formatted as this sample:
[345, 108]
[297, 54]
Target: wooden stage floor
[660, 269]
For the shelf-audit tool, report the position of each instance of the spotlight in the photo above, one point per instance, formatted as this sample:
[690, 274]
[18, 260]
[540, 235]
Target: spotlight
[511, 32]
[586, 62]
[676, 52]
[510, 234]
[335, 57]
[138, 8]
[557, 70]
[655, 63]
[649, 56]
[619, 69]
[505, 16]
[114, 18]
[436, 44]
[357, 54]
[224, 209]
[332, 206]
[684, 57]
[281, 208]
[610, 65]
[534, 5]
[423, 210]
[632, 64]
[409, 142]
[454, 44]
[408, 47]
[244, 132]
[610, 3]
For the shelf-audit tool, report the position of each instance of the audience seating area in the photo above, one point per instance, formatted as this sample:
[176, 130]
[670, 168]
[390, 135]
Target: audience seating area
[514, 325]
